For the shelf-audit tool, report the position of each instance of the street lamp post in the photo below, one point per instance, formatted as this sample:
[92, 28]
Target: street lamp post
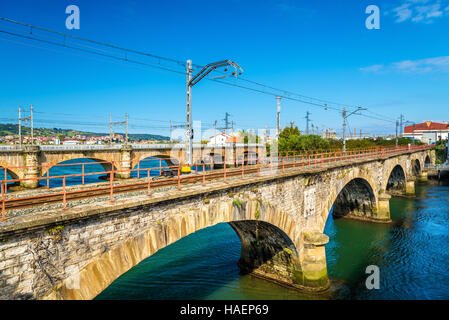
[191, 81]
[345, 116]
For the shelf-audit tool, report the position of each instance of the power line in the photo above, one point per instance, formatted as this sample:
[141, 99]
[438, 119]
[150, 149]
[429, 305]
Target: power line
[162, 67]
[89, 49]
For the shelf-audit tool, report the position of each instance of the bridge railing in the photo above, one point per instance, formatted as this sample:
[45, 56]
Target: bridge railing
[387, 151]
[133, 145]
[351, 153]
[11, 148]
[248, 165]
[443, 166]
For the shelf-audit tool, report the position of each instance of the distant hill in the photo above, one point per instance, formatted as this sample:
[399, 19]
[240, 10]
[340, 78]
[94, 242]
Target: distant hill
[13, 129]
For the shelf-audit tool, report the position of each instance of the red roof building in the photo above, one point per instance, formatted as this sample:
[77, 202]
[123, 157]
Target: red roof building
[427, 132]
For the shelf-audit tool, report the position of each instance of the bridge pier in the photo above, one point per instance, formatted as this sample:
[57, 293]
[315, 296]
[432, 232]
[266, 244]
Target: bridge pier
[31, 159]
[423, 177]
[383, 207]
[433, 156]
[313, 273]
[126, 163]
[410, 188]
[267, 252]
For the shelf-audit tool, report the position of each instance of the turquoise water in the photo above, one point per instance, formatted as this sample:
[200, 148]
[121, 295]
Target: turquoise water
[75, 167]
[412, 255]
[8, 176]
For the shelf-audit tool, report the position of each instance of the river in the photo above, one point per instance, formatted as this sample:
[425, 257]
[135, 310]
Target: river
[412, 255]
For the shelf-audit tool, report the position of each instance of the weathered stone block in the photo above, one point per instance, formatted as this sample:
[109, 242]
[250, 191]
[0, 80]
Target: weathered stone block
[15, 251]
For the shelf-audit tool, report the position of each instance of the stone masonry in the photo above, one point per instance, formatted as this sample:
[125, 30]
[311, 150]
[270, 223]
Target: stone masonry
[280, 218]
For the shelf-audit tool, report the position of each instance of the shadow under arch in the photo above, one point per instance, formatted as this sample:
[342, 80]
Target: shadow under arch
[356, 199]
[396, 180]
[427, 161]
[263, 246]
[416, 167]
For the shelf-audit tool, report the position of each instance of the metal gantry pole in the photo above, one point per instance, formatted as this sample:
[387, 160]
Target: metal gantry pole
[397, 133]
[110, 128]
[307, 122]
[32, 130]
[189, 112]
[279, 116]
[20, 129]
[191, 81]
[215, 128]
[344, 130]
[126, 123]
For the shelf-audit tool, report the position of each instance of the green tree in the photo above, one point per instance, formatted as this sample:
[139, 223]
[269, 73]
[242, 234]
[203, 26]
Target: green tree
[61, 137]
[249, 137]
[290, 139]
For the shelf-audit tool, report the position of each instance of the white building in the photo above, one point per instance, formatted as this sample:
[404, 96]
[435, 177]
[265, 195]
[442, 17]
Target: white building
[70, 143]
[428, 132]
[219, 139]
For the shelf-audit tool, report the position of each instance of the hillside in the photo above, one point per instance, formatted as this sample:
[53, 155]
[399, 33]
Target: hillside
[13, 129]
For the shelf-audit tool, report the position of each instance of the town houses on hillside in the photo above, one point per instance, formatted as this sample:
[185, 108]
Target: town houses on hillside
[69, 140]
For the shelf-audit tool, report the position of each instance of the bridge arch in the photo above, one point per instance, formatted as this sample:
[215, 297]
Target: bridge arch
[270, 241]
[427, 161]
[356, 199]
[416, 167]
[107, 165]
[168, 160]
[341, 193]
[12, 173]
[396, 180]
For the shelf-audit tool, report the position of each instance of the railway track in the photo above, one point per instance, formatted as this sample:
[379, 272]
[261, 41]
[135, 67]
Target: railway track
[21, 203]
[26, 202]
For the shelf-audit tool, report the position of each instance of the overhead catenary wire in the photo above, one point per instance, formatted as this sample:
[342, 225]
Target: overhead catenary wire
[183, 72]
[286, 94]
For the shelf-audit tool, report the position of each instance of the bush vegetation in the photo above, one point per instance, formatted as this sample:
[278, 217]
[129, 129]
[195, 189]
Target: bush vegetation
[291, 139]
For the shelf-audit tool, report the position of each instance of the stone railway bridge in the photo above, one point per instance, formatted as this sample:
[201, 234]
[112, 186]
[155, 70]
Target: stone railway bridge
[35, 162]
[279, 218]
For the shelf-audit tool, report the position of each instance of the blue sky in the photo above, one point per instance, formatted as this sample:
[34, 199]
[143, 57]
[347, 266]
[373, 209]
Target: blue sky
[319, 48]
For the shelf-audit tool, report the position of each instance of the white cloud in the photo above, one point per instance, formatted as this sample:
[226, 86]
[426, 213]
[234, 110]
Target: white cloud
[425, 11]
[374, 68]
[437, 64]
[403, 13]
